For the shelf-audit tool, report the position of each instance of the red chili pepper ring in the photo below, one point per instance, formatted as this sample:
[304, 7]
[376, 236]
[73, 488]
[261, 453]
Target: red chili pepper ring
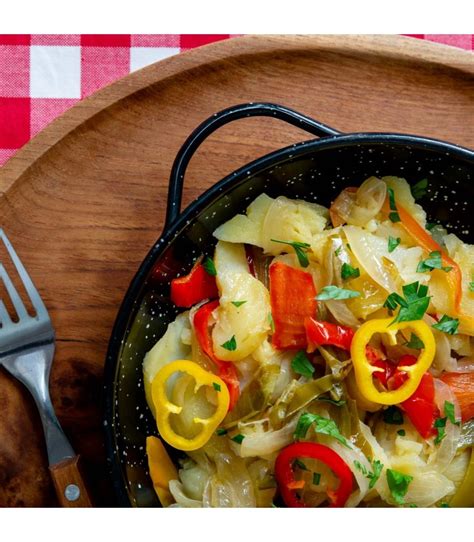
[285, 475]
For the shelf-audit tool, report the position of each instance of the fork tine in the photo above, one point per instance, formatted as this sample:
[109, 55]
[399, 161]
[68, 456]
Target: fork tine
[27, 282]
[14, 295]
[4, 316]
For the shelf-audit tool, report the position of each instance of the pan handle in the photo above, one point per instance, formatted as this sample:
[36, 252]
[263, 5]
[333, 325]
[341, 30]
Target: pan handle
[206, 128]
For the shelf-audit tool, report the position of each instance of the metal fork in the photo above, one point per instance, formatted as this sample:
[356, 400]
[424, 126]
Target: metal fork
[26, 352]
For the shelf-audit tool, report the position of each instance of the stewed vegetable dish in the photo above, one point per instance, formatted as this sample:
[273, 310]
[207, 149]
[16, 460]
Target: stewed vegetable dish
[322, 357]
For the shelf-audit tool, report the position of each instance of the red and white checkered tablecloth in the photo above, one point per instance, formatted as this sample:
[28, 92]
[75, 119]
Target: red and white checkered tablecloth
[41, 76]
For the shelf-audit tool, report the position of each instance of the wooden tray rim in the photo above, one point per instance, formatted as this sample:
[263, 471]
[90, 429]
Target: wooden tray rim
[391, 46]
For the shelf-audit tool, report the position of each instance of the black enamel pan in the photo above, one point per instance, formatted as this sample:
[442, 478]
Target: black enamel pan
[315, 170]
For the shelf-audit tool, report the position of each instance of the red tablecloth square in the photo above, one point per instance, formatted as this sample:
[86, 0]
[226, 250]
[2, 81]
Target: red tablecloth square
[102, 65]
[15, 122]
[110, 40]
[15, 39]
[14, 71]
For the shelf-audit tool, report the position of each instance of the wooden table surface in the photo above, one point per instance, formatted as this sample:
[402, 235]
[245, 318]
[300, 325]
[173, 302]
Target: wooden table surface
[84, 200]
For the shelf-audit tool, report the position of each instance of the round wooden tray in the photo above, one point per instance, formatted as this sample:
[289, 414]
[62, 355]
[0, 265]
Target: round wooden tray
[84, 200]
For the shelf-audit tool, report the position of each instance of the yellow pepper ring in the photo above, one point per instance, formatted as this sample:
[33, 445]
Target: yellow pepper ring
[363, 369]
[164, 408]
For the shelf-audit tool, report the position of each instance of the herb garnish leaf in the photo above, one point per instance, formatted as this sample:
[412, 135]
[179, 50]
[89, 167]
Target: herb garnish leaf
[434, 261]
[447, 324]
[322, 425]
[299, 248]
[301, 364]
[393, 243]
[415, 342]
[398, 484]
[374, 475]
[412, 306]
[393, 216]
[449, 413]
[440, 425]
[238, 438]
[238, 303]
[209, 266]
[349, 272]
[231, 344]
[418, 190]
[333, 292]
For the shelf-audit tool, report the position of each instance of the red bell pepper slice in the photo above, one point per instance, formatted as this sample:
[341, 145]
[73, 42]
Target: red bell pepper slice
[196, 286]
[420, 408]
[375, 358]
[462, 385]
[325, 333]
[292, 296]
[226, 370]
[285, 475]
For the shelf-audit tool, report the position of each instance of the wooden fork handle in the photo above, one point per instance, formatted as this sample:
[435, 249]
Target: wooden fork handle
[69, 484]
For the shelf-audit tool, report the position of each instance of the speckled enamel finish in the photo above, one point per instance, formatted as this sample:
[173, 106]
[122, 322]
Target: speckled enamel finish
[315, 171]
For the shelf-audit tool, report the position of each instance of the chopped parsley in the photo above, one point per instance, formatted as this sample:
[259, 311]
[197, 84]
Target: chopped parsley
[471, 286]
[440, 425]
[418, 190]
[415, 342]
[447, 324]
[301, 364]
[401, 432]
[316, 478]
[443, 505]
[238, 438]
[449, 413]
[298, 463]
[374, 475]
[393, 216]
[412, 306]
[431, 225]
[209, 266]
[221, 432]
[434, 261]
[398, 484]
[393, 416]
[231, 344]
[333, 292]
[216, 386]
[323, 426]
[393, 300]
[238, 303]
[349, 272]
[338, 251]
[299, 248]
[393, 243]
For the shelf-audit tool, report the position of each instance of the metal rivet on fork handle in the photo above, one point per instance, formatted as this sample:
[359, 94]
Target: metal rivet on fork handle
[72, 492]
